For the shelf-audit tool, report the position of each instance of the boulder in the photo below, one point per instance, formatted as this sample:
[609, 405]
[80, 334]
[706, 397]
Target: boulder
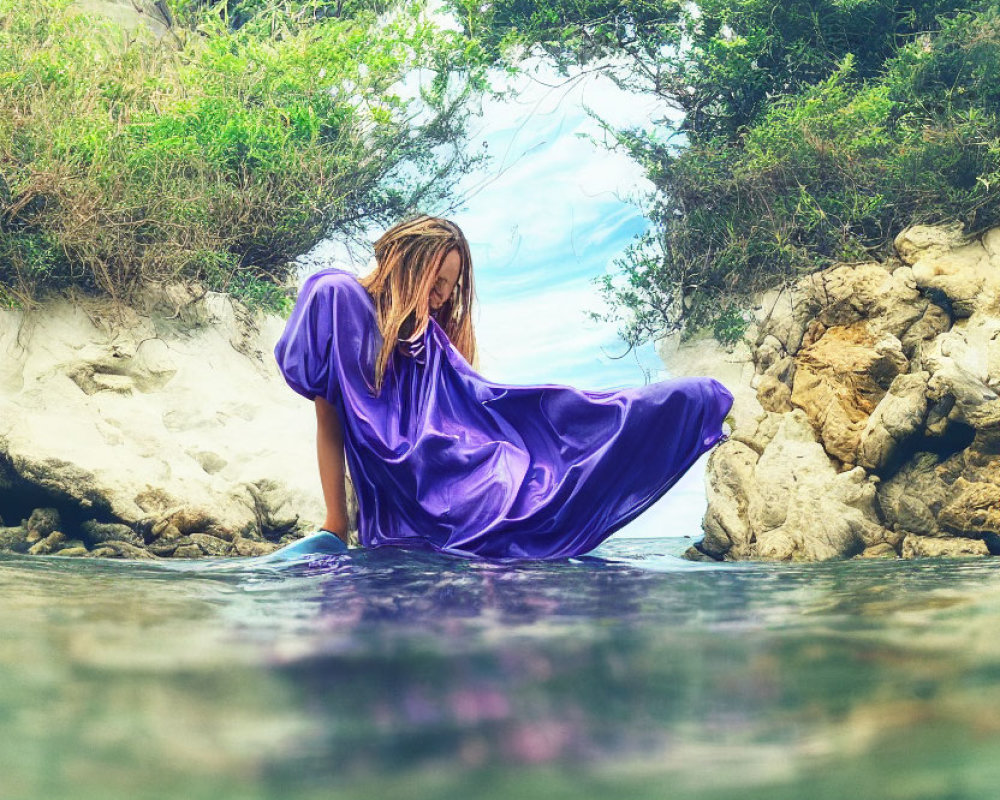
[54, 541]
[926, 547]
[972, 508]
[913, 497]
[789, 503]
[840, 380]
[42, 522]
[96, 532]
[899, 415]
[13, 540]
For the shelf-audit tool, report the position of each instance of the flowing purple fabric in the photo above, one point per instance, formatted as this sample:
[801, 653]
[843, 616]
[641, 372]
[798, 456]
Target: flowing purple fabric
[444, 459]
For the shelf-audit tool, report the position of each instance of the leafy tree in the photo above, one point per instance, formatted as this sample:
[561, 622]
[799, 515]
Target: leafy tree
[798, 141]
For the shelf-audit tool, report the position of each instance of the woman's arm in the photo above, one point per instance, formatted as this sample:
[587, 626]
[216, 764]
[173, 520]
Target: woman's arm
[332, 469]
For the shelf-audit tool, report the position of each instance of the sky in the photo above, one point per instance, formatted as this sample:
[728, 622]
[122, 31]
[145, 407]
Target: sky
[544, 219]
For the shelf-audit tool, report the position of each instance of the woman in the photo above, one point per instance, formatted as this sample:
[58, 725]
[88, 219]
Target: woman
[442, 458]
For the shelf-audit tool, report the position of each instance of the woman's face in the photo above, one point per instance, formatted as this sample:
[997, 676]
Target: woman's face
[447, 277]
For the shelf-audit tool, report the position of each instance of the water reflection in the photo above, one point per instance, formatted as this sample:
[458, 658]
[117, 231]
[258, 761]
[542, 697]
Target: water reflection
[417, 675]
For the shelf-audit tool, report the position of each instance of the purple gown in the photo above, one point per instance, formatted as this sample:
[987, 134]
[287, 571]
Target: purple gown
[446, 460]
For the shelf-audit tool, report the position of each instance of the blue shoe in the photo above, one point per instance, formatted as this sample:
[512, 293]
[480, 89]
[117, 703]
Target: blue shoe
[322, 543]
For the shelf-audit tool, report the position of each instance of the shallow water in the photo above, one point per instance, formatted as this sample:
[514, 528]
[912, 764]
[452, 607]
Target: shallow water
[393, 674]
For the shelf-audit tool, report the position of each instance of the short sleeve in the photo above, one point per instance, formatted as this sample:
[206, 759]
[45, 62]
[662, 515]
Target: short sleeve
[304, 351]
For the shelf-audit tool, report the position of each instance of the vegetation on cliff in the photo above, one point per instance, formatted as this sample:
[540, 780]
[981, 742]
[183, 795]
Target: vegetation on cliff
[222, 151]
[811, 132]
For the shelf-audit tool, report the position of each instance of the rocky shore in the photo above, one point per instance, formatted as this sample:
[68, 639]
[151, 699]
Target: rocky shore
[869, 413]
[163, 430]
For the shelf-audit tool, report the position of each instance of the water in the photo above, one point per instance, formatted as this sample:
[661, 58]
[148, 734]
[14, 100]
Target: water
[391, 674]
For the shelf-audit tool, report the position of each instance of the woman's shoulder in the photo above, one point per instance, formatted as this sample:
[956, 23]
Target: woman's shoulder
[332, 277]
[332, 284]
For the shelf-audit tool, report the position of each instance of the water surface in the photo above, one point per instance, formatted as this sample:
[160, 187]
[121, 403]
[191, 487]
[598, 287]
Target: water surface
[394, 674]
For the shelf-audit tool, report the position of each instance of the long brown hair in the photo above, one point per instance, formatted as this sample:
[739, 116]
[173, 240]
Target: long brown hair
[407, 258]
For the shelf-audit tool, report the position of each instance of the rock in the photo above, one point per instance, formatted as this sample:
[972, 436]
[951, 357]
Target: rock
[957, 395]
[188, 551]
[210, 462]
[912, 498]
[166, 530]
[773, 394]
[727, 531]
[267, 499]
[898, 416]
[165, 546]
[248, 547]
[896, 369]
[13, 540]
[963, 275]
[188, 520]
[839, 381]
[211, 545]
[926, 241]
[78, 551]
[97, 532]
[42, 522]
[694, 554]
[48, 545]
[790, 503]
[925, 547]
[973, 508]
[116, 549]
[785, 315]
[95, 391]
[881, 550]
[844, 295]
[760, 433]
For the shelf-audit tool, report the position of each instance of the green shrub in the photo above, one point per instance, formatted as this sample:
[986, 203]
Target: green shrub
[830, 173]
[216, 155]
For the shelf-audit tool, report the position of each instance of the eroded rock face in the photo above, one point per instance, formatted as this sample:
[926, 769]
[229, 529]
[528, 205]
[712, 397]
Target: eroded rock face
[789, 502]
[880, 429]
[160, 431]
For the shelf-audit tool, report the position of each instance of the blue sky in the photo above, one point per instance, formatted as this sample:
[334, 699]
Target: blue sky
[545, 218]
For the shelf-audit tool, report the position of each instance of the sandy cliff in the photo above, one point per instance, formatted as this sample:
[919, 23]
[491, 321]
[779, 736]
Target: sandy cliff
[164, 430]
